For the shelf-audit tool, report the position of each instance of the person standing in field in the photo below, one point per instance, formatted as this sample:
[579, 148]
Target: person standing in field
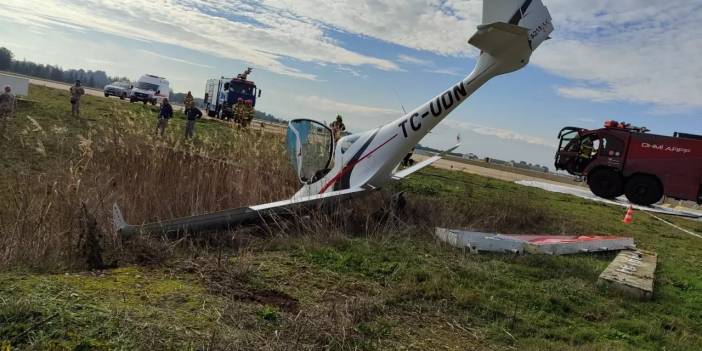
[7, 103]
[247, 114]
[165, 114]
[338, 127]
[7, 107]
[76, 92]
[189, 101]
[192, 114]
[239, 112]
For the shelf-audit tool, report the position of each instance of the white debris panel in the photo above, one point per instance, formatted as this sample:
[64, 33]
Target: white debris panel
[19, 85]
[620, 201]
[477, 242]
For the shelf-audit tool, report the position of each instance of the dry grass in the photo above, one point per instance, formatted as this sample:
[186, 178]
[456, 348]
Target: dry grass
[150, 177]
[61, 218]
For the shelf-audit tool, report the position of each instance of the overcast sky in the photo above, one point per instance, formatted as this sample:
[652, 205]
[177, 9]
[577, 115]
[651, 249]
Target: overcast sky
[632, 60]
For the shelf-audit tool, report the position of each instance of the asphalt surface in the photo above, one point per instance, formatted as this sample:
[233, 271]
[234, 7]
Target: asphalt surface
[491, 172]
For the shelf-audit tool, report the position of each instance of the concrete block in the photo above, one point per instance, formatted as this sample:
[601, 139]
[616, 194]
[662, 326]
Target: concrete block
[632, 273]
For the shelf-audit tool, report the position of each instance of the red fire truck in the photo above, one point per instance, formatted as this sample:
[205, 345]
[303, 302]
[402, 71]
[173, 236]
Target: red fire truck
[621, 159]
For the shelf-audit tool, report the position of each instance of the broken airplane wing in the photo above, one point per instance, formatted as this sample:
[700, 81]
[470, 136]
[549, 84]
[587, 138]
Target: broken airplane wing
[222, 220]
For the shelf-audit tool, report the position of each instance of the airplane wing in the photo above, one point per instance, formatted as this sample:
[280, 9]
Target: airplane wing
[225, 219]
[409, 170]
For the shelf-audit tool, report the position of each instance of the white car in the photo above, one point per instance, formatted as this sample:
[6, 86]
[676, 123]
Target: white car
[150, 89]
[119, 89]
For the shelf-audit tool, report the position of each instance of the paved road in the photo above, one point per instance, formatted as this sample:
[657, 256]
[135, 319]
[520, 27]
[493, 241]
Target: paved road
[492, 173]
[63, 86]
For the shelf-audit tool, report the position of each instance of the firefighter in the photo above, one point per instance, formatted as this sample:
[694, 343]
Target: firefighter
[586, 148]
[407, 161]
[338, 127]
[245, 74]
[76, 92]
[189, 101]
[239, 111]
[248, 113]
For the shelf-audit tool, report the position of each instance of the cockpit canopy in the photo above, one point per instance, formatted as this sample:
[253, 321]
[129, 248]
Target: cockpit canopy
[310, 147]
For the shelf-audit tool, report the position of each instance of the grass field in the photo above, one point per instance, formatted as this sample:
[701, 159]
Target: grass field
[356, 278]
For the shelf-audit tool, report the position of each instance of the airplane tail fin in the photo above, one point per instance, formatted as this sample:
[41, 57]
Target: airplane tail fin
[529, 14]
[511, 31]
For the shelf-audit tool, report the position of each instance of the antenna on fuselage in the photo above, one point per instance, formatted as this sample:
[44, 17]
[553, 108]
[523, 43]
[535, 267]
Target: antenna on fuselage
[398, 100]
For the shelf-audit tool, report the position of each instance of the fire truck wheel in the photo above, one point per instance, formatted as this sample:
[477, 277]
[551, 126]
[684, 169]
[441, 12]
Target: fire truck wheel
[643, 190]
[606, 183]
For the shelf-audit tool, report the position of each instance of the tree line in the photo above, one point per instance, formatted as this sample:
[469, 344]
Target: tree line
[94, 79]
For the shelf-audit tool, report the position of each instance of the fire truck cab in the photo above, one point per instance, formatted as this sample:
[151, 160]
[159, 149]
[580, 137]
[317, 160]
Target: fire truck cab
[621, 159]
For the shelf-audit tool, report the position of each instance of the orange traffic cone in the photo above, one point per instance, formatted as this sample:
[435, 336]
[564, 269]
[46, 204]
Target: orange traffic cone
[629, 216]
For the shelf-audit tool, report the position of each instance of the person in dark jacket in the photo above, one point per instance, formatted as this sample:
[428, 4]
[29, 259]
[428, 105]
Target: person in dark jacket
[193, 114]
[76, 92]
[164, 115]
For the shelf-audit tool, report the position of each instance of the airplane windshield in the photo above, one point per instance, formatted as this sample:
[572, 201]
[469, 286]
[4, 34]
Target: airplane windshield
[310, 147]
[346, 142]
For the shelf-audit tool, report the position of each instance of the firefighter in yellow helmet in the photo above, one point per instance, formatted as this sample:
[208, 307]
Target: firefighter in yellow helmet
[248, 113]
[189, 101]
[239, 111]
[338, 127]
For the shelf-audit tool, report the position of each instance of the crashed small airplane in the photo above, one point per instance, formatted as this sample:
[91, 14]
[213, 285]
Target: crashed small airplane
[335, 169]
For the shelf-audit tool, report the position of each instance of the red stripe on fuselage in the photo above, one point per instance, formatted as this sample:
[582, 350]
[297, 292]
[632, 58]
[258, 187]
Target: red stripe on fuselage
[349, 167]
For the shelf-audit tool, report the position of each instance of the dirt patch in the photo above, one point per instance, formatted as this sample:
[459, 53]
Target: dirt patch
[233, 277]
[267, 297]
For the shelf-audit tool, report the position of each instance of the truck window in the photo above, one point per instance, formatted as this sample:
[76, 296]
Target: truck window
[597, 145]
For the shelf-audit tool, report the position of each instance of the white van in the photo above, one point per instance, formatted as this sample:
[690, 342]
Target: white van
[150, 88]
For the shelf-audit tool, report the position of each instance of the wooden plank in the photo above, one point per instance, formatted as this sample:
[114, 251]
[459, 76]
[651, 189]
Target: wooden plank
[631, 272]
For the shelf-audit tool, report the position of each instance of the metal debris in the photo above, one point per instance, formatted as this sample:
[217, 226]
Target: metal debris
[534, 244]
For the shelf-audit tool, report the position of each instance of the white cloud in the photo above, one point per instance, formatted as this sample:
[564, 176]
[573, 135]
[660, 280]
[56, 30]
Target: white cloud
[262, 37]
[438, 26]
[447, 71]
[499, 133]
[175, 59]
[413, 60]
[363, 116]
[429, 66]
[627, 50]
[641, 51]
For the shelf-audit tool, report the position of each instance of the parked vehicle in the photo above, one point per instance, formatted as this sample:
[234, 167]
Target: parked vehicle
[621, 159]
[121, 90]
[223, 92]
[150, 89]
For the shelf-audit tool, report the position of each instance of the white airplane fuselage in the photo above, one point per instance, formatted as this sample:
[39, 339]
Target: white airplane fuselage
[369, 162]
